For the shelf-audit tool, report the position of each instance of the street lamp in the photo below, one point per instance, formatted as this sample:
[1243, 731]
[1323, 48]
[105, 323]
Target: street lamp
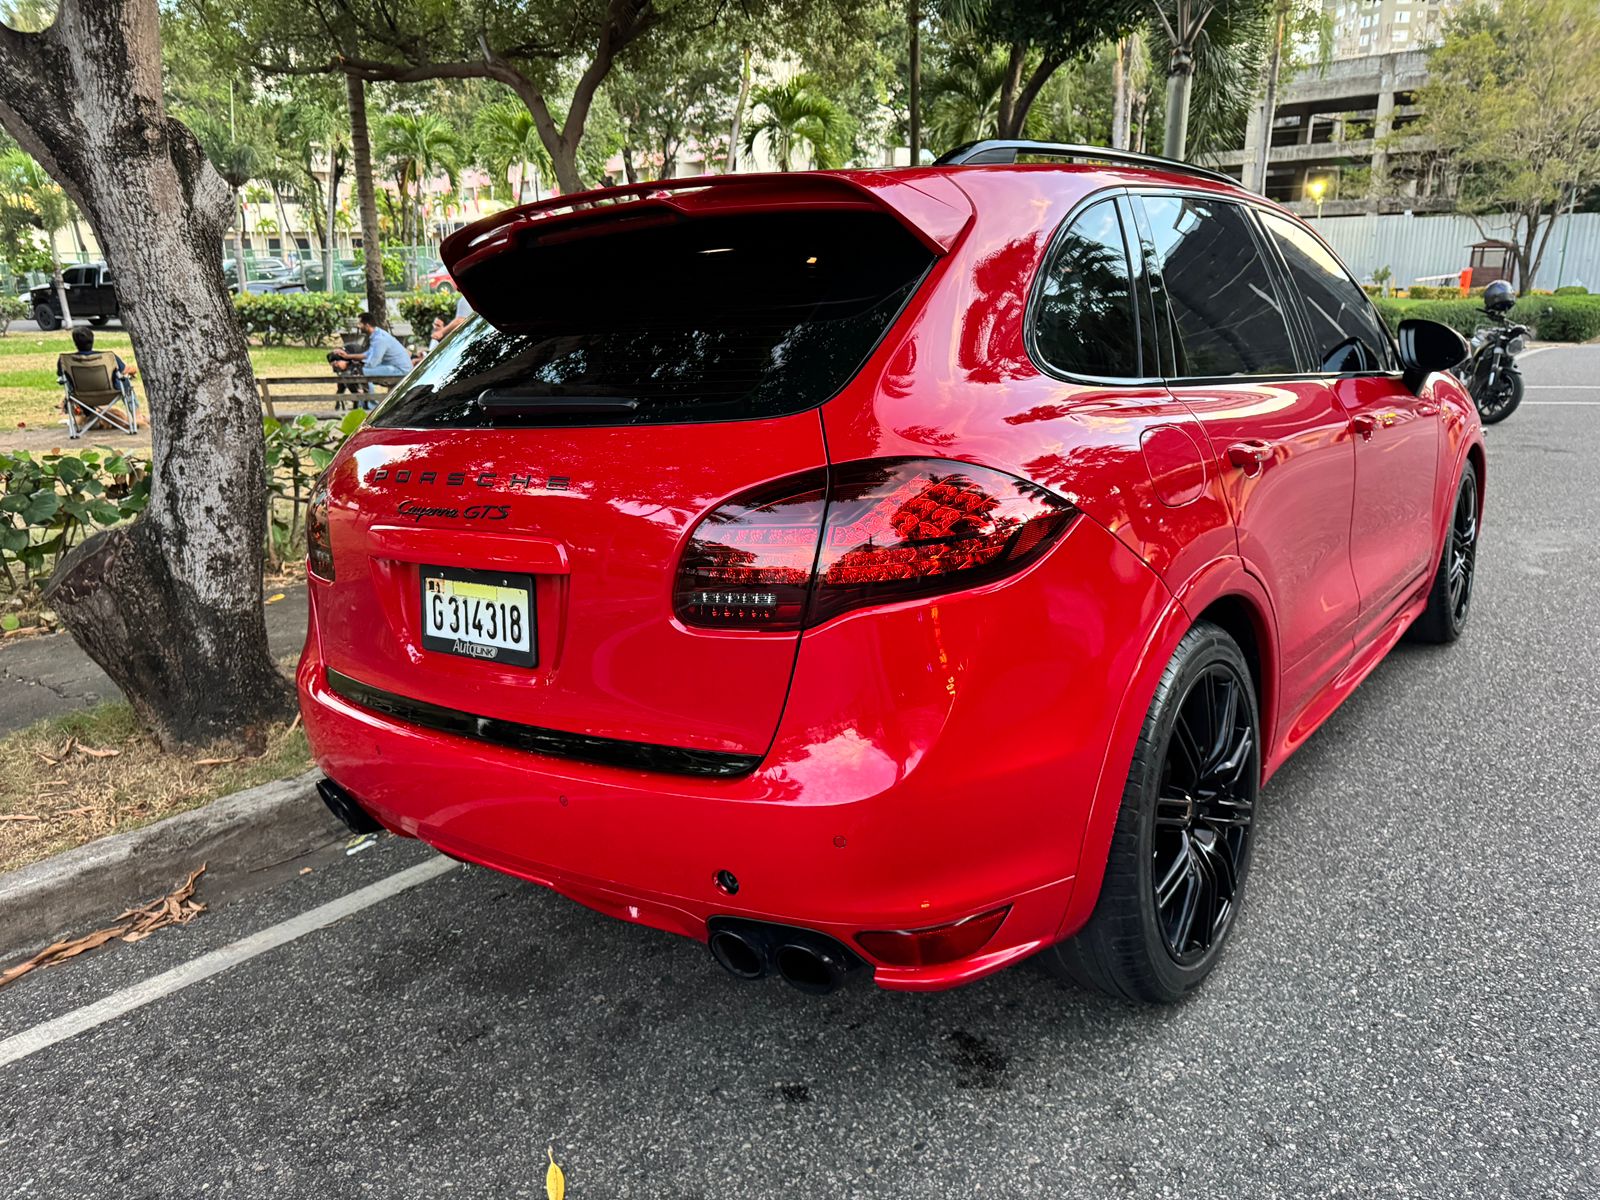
[1318, 189]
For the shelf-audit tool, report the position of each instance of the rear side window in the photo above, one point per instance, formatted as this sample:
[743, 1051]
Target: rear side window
[651, 317]
[1084, 323]
[1226, 316]
[1346, 335]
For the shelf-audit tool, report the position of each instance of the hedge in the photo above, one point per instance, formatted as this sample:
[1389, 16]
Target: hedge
[12, 308]
[420, 308]
[306, 318]
[1553, 318]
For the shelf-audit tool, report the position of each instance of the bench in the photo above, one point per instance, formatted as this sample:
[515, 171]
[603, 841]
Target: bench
[282, 389]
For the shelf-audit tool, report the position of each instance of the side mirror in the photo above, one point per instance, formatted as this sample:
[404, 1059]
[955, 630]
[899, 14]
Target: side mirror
[1428, 346]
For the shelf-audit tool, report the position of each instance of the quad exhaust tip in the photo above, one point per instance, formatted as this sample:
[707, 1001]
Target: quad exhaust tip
[811, 962]
[347, 808]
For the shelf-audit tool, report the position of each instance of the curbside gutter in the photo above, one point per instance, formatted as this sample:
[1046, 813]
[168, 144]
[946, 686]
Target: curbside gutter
[83, 889]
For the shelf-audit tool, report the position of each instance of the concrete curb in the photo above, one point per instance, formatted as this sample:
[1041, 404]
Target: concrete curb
[82, 890]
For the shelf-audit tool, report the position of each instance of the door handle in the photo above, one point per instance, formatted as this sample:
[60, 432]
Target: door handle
[1250, 456]
[1364, 424]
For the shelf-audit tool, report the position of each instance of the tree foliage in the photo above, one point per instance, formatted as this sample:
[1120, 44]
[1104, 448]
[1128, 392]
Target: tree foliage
[1512, 105]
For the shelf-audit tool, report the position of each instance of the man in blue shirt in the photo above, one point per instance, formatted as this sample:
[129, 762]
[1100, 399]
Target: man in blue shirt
[384, 357]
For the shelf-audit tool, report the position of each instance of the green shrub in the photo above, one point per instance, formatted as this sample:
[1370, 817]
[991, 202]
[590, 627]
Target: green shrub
[297, 452]
[1572, 289]
[308, 318]
[1569, 318]
[49, 504]
[420, 308]
[12, 308]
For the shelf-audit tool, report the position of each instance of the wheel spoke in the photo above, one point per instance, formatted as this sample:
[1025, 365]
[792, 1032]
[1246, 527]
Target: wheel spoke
[1223, 730]
[1177, 874]
[1173, 810]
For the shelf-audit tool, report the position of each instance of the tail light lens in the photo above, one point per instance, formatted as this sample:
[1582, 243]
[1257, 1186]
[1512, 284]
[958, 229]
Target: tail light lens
[749, 563]
[319, 546]
[876, 532]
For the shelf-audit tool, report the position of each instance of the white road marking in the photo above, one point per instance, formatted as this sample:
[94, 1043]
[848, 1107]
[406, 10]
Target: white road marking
[1562, 387]
[80, 1020]
[1562, 403]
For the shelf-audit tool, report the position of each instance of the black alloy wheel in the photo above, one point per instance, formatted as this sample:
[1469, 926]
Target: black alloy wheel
[1461, 556]
[1203, 814]
[1180, 850]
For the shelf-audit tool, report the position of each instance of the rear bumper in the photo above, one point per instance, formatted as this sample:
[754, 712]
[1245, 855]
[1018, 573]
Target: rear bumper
[934, 761]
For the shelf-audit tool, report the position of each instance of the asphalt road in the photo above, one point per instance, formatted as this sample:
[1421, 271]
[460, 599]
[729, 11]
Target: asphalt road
[1410, 1007]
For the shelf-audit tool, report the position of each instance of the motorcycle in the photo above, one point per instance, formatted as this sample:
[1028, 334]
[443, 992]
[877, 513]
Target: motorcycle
[1491, 374]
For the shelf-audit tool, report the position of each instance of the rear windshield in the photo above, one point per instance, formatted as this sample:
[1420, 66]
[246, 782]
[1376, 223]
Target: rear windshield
[668, 319]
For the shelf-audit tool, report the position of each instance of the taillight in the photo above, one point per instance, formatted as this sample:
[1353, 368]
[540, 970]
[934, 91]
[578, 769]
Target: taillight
[319, 546]
[889, 530]
[749, 563]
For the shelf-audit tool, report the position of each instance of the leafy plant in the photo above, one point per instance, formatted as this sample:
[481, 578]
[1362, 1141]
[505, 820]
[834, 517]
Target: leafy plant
[50, 504]
[12, 308]
[297, 452]
[308, 319]
[420, 308]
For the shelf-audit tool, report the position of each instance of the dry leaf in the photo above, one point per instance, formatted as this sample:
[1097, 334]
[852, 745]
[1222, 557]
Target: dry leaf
[19, 817]
[555, 1183]
[98, 753]
[274, 598]
[215, 762]
[54, 762]
[293, 725]
[305, 870]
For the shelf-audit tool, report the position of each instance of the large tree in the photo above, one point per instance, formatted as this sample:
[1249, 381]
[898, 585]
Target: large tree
[170, 604]
[1512, 105]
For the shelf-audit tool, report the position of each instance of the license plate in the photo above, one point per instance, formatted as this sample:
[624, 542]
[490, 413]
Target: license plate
[479, 614]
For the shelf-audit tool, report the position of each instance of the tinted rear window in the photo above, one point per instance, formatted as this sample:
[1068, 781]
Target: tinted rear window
[702, 319]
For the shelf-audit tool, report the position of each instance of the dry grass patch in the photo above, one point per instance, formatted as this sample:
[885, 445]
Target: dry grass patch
[74, 778]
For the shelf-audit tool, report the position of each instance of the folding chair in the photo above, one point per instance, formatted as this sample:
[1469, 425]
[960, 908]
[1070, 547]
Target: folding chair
[93, 396]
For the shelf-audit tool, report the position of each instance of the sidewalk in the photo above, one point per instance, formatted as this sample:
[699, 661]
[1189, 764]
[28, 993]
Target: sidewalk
[46, 676]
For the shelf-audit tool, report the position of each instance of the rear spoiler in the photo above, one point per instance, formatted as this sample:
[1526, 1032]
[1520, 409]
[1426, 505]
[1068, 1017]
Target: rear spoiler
[928, 203]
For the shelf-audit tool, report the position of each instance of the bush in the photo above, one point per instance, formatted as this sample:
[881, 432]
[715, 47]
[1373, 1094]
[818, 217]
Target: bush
[49, 504]
[1572, 289]
[420, 308]
[12, 308]
[1569, 318]
[308, 318]
[297, 452]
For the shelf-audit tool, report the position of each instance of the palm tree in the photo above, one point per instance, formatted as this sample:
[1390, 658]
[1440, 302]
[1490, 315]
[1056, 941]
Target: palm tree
[236, 156]
[418, 148]
[28, 188]
[962, 102]
[507, 138]
[1222, 43]
[318, 124]
[794, 116]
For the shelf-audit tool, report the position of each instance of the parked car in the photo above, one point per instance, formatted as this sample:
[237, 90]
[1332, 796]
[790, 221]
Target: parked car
[438, 279]
[352, 276]
[90, 296]
[929, 577]
[256, 269]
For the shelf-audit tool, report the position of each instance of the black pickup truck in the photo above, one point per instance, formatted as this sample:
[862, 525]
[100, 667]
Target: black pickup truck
[89, 295]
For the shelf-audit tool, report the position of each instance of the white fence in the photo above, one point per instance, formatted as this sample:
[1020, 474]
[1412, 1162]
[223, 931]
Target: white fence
[1414, 247]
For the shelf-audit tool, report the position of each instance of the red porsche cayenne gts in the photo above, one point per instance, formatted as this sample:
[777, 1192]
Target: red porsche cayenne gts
[910, 571]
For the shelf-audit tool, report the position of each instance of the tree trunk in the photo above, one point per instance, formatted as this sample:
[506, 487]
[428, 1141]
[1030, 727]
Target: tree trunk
[1009, 86]
[59, 281]
[285, 233]
[1120, 108]
[627, 165]
[371, 241]
[240, 275]
[329, 244]
[170, 604]
[737, 131]
[1023, 103]
[1176, 134]
[1269, 105]
[914, 98]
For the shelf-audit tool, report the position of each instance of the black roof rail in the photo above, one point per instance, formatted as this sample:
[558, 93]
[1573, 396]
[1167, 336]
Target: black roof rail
[1006, 150]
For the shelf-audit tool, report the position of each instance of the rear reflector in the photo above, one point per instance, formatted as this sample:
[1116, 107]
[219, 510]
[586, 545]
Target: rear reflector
[319, 546]
[939, 944]
[803, 551]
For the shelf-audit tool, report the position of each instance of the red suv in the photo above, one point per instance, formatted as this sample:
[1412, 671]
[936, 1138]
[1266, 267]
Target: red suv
[910, 570]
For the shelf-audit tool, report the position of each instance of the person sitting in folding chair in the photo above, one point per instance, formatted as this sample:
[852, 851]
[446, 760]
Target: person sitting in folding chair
[97, 382]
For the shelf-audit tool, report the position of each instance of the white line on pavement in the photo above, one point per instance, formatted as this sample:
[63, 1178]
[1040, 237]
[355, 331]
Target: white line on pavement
[79, 1020]
[1562, 387]
[1563, 403]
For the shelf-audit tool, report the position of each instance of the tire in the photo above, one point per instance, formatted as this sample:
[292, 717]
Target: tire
[1496, 409]
[46, 318]
[1450, 594]
[97, 322]
[1185, 827]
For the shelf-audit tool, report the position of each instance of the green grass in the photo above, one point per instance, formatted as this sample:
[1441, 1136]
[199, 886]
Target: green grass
[29, 394]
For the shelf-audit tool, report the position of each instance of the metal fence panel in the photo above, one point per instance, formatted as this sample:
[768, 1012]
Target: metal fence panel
[1417, 247]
